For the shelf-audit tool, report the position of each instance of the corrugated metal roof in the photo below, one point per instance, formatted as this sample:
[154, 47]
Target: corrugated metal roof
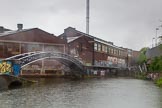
[31, 35]
[5, 33]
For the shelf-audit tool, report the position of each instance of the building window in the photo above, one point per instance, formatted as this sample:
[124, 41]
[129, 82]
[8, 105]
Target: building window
[95, 46]
[80, 47]
[112, 50]
[26, 47]
[11, 49]
[115, 51]
[109, 50]
[55, 48]
[103, 48]
[119, 52]
[99, 47]
[129, 53]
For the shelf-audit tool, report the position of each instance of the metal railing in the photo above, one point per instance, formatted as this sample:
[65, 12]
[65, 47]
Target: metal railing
[27, 58]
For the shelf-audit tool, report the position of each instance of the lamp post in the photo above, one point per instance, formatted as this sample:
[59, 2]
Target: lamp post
[156, 37]
[153, 42]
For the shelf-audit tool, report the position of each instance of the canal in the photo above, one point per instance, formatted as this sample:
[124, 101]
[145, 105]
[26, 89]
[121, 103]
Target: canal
[89, 93]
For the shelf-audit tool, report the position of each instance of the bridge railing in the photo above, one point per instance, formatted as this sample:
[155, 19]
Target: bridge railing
[19, 56]
[66, 56]
[13, 65]
[26, 58]
[31, 57]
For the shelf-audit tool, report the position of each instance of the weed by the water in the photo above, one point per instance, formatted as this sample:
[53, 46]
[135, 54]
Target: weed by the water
[159, 82]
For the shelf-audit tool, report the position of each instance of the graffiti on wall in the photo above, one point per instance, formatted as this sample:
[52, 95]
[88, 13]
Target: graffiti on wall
[5, 67]
[16, 69]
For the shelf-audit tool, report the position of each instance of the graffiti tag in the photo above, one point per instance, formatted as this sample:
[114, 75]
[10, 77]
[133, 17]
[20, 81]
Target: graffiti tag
[5, 67]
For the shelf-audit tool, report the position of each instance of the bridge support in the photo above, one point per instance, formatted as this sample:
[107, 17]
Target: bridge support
[8, 81]
[3, 83]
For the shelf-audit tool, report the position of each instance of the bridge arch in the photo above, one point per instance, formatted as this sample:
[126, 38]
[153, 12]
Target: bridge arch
[77, 68]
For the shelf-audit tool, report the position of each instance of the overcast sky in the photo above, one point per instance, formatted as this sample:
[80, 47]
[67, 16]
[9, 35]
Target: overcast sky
[127, 23]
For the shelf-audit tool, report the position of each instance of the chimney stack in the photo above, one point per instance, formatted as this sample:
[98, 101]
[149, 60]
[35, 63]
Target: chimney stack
[20, 27]
[1, 29]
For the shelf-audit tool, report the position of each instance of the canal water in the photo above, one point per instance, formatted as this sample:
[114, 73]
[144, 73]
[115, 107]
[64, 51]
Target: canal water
[89, 93]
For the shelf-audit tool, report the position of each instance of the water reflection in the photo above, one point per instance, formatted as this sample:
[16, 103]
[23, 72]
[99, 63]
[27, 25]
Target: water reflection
[93, 93]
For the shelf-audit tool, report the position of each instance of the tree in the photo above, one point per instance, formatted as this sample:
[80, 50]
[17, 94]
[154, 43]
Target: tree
[142, 57]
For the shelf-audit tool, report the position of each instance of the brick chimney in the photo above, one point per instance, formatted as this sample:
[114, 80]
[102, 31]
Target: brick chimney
[19, 27]
[1, 29]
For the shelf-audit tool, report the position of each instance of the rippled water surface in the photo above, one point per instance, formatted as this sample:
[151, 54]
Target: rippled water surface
[91, 93]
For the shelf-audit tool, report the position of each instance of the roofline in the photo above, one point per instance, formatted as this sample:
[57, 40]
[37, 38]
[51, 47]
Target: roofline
[93, 37]
[16, 31]
[30, 42]
[24, 30]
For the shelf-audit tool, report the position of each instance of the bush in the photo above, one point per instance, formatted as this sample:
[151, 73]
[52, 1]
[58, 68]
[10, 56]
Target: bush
[156, 64]
[159, 82]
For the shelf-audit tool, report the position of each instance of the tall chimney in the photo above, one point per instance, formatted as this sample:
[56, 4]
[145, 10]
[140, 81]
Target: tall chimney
[1, 29]
[87, 17]
[20, 26]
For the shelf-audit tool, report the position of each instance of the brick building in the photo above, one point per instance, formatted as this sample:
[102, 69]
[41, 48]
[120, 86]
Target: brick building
[13, 42]
[93, 51]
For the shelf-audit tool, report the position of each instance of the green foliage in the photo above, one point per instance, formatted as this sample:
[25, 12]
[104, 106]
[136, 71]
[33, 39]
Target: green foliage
[160, 46]
[144, 49]
[142, 57]
[159, 82]
[156, 64]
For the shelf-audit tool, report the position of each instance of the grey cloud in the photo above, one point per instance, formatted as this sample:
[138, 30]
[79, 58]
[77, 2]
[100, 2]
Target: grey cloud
[128, 23]
[128, 20]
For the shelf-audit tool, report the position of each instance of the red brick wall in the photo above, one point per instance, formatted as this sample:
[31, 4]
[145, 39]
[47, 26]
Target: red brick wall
[83, 47]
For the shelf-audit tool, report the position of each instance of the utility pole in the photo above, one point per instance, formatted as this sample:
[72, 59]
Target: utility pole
[87, 17]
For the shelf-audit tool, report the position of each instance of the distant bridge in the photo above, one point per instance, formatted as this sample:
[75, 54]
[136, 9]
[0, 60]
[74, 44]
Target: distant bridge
[77, 68]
